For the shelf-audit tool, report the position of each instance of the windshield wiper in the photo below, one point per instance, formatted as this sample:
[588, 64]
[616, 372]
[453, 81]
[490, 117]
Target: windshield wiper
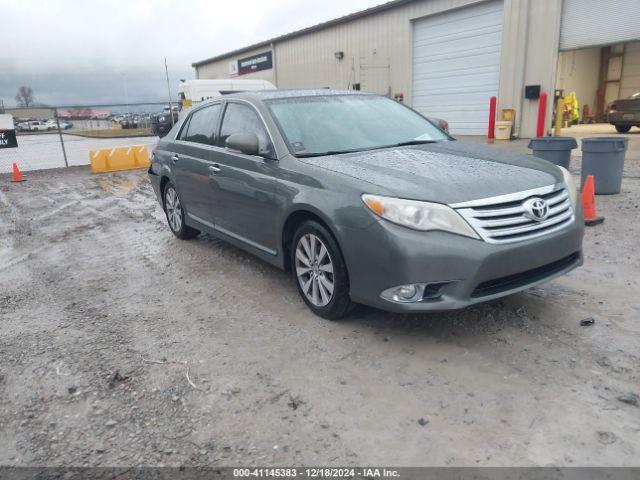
[414, 142]
[330, 152]
[368, 149]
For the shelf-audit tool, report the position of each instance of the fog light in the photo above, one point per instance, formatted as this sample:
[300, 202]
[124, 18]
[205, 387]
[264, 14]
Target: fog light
[415, 292]
[406, 292]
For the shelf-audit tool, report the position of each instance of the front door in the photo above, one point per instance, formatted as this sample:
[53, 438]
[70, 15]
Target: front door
[191, 163]
[245, 202]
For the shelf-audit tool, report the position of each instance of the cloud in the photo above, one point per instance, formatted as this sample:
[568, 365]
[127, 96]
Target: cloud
[73, 51]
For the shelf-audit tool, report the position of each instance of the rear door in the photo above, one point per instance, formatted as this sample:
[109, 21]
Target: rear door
[191, 162]
[245, 202]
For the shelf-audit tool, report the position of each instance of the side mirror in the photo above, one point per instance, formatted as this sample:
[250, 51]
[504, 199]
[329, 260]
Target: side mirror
[246, 143]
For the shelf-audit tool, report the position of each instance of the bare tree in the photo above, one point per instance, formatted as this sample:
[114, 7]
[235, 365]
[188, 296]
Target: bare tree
[24, 97]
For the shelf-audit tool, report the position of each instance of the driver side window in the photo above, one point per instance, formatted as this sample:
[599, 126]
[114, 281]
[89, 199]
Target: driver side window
[239, 118]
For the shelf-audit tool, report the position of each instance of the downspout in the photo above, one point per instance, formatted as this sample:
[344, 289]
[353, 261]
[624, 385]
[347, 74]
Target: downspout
[523, 46]
[275, 64]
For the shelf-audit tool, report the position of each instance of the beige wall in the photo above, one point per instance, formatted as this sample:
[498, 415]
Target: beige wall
[630, 70]
[377, 51]
[578, 71]
[529, 55]
[378, 54]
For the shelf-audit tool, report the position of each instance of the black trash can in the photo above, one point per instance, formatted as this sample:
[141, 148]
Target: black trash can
[603, 157]
[557, 150]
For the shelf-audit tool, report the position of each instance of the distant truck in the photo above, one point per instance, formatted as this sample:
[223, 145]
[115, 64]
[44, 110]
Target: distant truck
[33, 126]
[193, 92]
[161, 122]
[624, 113]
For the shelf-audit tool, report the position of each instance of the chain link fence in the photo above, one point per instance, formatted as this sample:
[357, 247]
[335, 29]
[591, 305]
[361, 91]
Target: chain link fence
[63, 136]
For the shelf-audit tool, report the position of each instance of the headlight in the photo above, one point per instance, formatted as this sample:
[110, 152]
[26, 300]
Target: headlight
[162, 119]
[421, 216]
[570, 183]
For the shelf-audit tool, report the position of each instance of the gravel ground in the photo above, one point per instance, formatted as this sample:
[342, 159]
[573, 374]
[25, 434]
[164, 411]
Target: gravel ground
[122, 345]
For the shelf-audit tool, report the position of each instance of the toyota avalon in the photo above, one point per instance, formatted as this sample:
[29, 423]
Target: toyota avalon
[366, 201]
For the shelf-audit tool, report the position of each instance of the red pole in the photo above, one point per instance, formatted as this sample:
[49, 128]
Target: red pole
[542, 112]
[492, 118]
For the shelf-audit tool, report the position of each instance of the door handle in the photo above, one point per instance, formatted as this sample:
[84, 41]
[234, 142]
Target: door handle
[214, 169]
[175, 158]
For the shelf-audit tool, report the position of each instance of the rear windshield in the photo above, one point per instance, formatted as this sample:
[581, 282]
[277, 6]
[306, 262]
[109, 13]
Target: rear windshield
[325, 124]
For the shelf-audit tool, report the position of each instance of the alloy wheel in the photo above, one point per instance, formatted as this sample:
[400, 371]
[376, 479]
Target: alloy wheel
[314, 270]
[174, 209]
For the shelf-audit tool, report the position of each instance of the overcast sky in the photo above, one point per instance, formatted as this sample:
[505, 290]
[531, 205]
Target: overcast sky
[80, 51]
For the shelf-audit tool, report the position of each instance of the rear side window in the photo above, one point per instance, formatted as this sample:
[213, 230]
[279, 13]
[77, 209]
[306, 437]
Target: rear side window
[240, 118]
[202, 125]
[183, 132]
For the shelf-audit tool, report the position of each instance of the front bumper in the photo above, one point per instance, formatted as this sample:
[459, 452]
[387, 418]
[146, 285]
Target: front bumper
[386, 255]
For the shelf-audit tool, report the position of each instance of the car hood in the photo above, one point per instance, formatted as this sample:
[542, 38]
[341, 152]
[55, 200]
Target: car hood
[444, 172]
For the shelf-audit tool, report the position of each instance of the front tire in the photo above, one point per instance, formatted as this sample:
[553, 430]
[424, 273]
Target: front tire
[175, 214]
[623, 128]
[320, 272]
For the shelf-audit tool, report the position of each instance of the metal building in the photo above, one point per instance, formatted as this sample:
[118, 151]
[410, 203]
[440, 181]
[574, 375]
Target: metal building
[445, 58]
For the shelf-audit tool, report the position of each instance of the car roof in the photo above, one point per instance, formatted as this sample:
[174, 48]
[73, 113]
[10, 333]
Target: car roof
[293, 93]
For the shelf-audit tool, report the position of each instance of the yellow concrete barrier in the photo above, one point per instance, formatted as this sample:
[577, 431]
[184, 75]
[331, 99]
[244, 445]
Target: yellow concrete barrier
[114, 159]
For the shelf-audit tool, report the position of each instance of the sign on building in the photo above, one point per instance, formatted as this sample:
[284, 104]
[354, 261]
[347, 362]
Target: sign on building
[7, 132]
[255, 63]
[233, 68]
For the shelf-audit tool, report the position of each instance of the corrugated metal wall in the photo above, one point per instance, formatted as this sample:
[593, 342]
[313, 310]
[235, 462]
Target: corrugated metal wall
[378, 54]
[630, 82]
[588, 23]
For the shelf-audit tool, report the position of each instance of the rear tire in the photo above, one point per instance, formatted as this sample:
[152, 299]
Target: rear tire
[175, 214]
[623, 128]
[320, 272]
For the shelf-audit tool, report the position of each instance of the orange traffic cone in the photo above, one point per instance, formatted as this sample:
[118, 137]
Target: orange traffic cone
[589, 203]
[17, 174]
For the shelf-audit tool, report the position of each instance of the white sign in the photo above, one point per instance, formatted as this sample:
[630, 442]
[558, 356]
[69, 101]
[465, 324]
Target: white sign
[233, 68]
[7, 132]
[6, 121]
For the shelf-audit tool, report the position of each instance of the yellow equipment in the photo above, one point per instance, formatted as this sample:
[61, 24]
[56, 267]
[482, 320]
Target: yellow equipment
[571, 108]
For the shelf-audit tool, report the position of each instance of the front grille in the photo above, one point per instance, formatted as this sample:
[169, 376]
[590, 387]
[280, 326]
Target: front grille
[503, 220]
[517, 280]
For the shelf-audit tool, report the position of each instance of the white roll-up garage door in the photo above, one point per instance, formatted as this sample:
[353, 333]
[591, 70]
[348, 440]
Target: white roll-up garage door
[589, 23]
[456, 65]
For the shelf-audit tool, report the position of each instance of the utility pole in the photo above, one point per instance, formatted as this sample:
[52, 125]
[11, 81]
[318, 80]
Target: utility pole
[64, 150]
[166, 71]
[126, 92]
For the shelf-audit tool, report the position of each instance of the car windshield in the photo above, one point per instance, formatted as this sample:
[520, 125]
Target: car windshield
[325, 124]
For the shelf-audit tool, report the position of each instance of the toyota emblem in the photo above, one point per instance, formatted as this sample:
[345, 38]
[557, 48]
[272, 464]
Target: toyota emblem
[536, 209]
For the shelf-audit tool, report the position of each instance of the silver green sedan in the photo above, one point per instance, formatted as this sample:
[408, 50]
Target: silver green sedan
[366, 201]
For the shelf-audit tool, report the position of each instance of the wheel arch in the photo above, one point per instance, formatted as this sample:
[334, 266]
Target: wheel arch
[163, 183]
[294, 219]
